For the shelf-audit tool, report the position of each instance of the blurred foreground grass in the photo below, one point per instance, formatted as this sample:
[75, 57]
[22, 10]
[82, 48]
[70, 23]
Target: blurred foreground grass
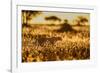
[46, 43]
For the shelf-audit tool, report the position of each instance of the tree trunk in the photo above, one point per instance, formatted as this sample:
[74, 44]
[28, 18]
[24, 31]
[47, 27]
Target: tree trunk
[24, 19]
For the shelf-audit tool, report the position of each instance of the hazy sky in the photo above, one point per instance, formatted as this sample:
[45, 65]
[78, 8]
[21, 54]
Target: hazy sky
[40, 19]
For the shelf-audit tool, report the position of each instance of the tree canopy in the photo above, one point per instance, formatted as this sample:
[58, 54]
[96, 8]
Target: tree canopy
[28, 15]
[53, 18]
[81, 20]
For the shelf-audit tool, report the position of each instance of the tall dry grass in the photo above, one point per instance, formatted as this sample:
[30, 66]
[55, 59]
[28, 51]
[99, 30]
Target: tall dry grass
[45, 43]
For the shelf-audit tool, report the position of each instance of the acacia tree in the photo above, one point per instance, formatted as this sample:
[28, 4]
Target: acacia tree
[81, 20]
[28, 15]
[52, 18]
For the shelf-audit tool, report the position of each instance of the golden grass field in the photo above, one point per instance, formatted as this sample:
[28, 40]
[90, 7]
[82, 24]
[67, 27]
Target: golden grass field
[42, 42]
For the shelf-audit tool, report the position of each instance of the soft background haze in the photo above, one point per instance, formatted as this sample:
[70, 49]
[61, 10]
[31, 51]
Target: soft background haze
[62, 15]
[5, 35]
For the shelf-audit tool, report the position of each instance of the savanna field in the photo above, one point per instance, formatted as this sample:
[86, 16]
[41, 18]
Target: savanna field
[42, 42]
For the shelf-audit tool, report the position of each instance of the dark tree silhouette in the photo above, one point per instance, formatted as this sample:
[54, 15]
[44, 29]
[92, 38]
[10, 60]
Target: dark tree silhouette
[65, 27]
[52, 18]
[28, 15]
[81, 20]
